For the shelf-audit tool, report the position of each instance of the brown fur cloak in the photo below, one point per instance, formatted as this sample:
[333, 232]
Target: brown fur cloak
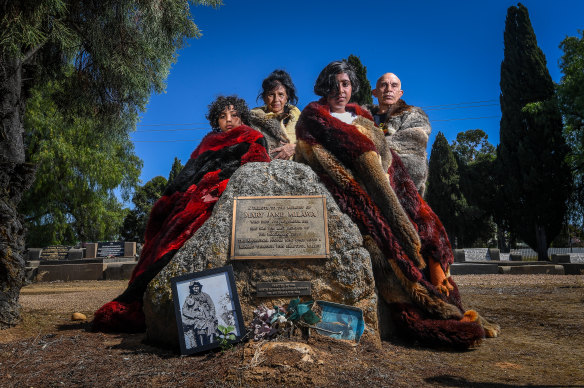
[402, 233]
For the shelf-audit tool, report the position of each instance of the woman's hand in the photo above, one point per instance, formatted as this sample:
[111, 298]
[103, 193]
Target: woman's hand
[285, 151]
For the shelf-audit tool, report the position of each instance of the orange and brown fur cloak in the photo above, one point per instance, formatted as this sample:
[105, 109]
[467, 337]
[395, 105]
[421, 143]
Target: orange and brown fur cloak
[409, 248]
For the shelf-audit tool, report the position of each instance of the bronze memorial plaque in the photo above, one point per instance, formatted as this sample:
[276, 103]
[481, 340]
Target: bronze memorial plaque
[285, 227]
[273, 289]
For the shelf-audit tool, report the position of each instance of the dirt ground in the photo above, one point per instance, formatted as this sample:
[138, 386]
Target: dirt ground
[542, 345]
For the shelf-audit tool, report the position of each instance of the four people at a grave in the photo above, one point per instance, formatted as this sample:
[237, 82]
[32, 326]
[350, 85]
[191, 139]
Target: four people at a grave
[358, 156]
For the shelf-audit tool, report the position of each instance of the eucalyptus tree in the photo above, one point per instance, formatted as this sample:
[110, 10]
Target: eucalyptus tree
[121, 51]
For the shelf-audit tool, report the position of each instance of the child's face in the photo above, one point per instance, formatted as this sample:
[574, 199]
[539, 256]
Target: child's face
[229, 119]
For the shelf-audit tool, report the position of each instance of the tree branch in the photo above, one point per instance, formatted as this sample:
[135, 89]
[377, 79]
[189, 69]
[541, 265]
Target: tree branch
[30, 53]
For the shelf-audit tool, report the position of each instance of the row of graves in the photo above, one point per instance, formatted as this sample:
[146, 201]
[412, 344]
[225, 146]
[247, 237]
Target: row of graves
[111, 260]
[490, 261]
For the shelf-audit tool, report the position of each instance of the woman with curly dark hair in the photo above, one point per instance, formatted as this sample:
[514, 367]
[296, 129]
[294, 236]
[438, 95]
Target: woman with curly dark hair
[409, 248]
[277, 118]
[186, 204]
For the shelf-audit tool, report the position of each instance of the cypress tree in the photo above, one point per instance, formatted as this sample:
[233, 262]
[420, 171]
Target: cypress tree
[444, 195]
[363, 96]
[533, 174]
[177, 166]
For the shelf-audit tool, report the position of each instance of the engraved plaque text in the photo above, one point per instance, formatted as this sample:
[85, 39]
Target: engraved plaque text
[273, 289]
[286, 227]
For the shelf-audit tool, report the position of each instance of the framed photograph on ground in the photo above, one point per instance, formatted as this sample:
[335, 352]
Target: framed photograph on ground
[207, 307]
[340, 321]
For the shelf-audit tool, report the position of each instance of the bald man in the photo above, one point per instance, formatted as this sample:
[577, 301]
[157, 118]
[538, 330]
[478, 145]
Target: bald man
[406, 127]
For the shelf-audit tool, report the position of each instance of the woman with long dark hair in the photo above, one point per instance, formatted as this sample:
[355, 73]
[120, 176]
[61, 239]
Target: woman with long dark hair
[277, 118]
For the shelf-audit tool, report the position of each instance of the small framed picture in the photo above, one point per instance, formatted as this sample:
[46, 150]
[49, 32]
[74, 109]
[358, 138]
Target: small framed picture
[207, 309]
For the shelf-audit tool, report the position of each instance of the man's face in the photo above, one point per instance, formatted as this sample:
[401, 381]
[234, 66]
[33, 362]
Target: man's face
[388, 90]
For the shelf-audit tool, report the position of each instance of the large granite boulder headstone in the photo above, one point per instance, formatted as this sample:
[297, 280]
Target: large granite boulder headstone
[346, 277]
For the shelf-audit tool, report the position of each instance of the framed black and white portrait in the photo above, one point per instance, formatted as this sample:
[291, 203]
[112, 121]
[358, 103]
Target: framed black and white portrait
[207, 309]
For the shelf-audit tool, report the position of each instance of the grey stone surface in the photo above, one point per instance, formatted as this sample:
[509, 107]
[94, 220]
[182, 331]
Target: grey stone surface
[90, 250]
[459, 256]
[494, 254]
[129, 249]
[75, 254]
[473, 269]
[515, 257]
[346, 277]
[34, 253]
[560, 259]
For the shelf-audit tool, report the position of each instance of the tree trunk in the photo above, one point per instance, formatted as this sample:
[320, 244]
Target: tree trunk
[16, 176]
[541, 242]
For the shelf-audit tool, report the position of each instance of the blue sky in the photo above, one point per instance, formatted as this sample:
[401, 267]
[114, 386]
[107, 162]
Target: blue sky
[447, 53]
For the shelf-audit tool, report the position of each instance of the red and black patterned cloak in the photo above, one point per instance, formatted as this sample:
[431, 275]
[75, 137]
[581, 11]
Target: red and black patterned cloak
[185, 205]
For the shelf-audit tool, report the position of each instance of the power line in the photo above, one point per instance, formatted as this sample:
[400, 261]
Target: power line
[468, 118]
[463, 107]
[172, 130]
[428, 107]
[460, 103]
[162, 125]
[164, 141]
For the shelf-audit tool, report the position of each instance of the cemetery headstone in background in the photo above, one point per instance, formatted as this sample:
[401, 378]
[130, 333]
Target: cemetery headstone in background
[115, 248]
[459, 256]
[494, 254]
[515, 257]
[55, 252]
[75, 254]
[34, 253]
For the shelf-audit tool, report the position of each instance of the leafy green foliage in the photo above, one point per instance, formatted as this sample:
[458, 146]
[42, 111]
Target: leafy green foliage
[114, 72]
[84, 87]
[475, 158]
[532, 172]
[227, 335]
[120, 51]
[571, 98]
[363, 96]
[571, 87]
[78, 169]
[144, 198]
[473, 145]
